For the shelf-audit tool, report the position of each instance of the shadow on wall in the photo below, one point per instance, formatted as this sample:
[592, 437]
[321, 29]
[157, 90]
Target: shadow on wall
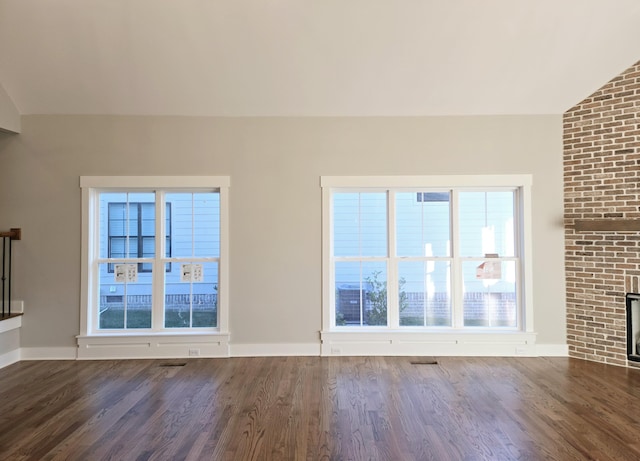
[5, 138]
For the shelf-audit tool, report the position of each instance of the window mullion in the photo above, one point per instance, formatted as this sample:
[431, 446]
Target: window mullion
[393, 315]
[158, 264]
[457, 297]
[94, 244]
[139, 236]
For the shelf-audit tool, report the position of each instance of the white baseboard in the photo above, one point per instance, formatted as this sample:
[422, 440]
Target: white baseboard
[552, 350]
[9, 358]
[406, 343]
[124, 350]
[48, 353]
[107, 347]
[275, 349]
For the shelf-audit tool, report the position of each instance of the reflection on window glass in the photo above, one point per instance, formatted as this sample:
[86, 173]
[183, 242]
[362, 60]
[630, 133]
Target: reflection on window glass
[489, 293]
[424, 293]
[422, 224]
[486, 223]
[453, 262]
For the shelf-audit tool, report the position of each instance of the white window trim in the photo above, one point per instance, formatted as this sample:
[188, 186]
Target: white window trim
[402, 341]
[128, 344]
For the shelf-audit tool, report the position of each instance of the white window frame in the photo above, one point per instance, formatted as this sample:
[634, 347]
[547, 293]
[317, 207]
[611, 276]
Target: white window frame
[392, 339]
[157, 341]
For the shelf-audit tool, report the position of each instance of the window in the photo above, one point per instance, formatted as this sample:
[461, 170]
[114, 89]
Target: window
[132, 225]
[135, 282]
[419, 253]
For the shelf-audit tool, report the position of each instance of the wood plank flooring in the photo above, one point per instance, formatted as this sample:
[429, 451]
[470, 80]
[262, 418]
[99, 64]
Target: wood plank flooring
[312, 408]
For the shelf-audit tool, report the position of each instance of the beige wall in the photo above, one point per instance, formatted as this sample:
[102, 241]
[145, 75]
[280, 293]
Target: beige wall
[275, 165]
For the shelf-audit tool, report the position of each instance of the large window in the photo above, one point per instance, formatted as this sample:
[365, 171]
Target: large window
[424, 255]
[136, 282]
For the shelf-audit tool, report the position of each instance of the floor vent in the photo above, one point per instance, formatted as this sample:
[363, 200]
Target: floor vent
[424, 362]
[179, 364]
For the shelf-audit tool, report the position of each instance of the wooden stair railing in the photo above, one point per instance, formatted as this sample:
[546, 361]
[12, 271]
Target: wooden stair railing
[5, 278]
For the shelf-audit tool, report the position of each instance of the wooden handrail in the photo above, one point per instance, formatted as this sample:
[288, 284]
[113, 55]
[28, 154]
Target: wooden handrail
[13, 234]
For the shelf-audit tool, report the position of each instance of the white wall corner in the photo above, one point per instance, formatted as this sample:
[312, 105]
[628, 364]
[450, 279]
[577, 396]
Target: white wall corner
[9, 358]
[9, 115]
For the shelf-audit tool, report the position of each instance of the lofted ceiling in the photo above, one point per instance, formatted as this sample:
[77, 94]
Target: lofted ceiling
[312, 57]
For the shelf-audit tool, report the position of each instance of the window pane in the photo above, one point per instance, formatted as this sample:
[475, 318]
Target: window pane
[423, 224]
[195, 224]
[361, 293]
[167, 230]
[148, 225]
[148, 247]
[116, 227]
[490, 293]
[424, 291]
[112, 215]
[148, 211]
[206, 220]
[360, 224]
[120, 216]
[125, 297]
[191, 296]
[486, 223]
[116, 247]
[117, 218]
[346, 225]
[133, 248]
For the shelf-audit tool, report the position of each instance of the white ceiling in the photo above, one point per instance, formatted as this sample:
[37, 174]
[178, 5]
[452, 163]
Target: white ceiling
[312, 57]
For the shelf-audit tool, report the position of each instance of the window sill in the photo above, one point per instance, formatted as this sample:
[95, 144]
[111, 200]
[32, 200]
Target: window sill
[151, 334]
[153, 345]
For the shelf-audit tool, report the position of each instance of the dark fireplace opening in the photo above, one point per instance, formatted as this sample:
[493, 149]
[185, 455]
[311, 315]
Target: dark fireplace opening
[633, 326]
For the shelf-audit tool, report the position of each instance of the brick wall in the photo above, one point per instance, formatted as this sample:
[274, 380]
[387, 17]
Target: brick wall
[602, 180]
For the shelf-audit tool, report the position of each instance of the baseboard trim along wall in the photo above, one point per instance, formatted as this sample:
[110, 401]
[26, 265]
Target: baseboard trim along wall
[153, 351]
[275, 350]
[152, 346]
[48, 353]
[420, 343]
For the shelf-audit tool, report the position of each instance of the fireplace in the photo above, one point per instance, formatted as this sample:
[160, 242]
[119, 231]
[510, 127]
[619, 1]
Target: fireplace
[633, 326]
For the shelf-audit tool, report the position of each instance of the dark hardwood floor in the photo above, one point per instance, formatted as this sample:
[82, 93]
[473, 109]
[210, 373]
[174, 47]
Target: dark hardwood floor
[311, 408]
